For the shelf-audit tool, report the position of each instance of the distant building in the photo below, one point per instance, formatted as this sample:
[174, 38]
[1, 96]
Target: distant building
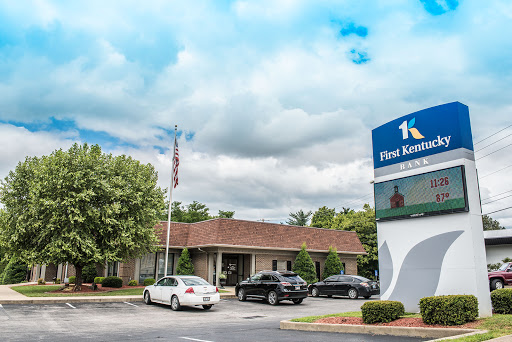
[397, 200]
[237, 248]
[498, 245]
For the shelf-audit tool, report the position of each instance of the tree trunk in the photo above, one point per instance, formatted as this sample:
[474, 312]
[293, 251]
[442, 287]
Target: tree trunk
[78, 279]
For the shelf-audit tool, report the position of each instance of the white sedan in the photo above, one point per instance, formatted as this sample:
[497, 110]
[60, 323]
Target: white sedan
[177, 291]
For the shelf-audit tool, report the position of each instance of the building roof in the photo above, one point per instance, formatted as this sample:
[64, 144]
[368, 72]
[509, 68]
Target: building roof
[241, 233]
[498, 237]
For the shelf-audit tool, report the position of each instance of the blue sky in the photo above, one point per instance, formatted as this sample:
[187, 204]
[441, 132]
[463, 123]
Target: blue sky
[274, 101]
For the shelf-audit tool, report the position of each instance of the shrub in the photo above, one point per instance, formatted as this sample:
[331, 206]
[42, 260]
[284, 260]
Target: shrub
[185, 266]
[382, 311]
[98, 280]
[112, 282]
[15, 272]
[72, 279]
[502, 301]
[41, 281]
[304, 266]
[149, 281]
[449, 310]
[133, 282]
[89, 273]
[333, 263]
[57, 281]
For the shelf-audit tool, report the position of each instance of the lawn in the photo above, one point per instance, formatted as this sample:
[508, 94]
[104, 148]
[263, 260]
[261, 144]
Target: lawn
[42, 291]
[497, 325]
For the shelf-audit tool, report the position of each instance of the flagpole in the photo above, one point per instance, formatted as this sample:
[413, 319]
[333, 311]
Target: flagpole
[170, 203]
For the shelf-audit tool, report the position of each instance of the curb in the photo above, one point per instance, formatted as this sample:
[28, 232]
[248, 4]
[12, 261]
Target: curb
[435, 333]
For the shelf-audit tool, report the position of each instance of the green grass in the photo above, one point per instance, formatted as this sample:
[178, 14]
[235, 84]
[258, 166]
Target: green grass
[311, 319]
[42, 291]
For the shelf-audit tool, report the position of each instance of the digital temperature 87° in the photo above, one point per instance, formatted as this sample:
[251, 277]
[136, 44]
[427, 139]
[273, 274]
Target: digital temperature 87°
[432, 193]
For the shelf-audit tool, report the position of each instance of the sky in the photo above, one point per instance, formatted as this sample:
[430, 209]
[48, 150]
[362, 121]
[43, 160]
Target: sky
[274, 100]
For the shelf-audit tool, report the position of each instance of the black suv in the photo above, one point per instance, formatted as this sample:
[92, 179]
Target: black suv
[273, 286]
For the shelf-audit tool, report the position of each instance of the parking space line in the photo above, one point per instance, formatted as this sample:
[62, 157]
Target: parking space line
[194, 339]
[130, 304]
[71, 306]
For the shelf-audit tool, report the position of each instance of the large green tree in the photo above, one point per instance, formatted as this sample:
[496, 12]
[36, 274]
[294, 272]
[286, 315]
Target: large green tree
[185, 266]
[490, 224]
[81, 206]
[193, 212]
[363, 223]
[304, 266]
[300, 218]
[322, 218]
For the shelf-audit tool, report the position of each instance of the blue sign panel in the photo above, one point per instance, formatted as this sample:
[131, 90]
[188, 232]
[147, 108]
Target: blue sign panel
[426, 132]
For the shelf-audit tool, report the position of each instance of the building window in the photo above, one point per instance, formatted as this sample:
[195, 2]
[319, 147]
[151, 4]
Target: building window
[113, 269]
[274, 265]
[288, 265]
[317, 268]
[161, 264]
[147, 267]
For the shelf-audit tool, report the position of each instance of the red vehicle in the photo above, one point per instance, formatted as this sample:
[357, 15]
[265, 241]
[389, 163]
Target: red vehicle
[501, 277]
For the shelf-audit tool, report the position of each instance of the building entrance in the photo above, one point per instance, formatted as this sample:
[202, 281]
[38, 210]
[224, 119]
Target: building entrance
[232, 268]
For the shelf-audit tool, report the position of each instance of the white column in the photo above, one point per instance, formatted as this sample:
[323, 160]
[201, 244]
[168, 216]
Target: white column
[59, 271]
[218, 268]
[253, 264]
[43, 271]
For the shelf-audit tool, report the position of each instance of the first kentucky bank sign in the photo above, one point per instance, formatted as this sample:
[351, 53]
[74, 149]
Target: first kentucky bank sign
[430, 136]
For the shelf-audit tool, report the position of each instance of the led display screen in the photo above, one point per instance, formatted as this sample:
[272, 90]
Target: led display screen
[432, 193]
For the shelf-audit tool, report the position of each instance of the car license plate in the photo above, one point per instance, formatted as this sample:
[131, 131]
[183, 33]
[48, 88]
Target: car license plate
[297, 287]
[206, 299]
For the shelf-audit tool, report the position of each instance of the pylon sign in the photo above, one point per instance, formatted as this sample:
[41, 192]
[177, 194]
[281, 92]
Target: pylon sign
[427, 208]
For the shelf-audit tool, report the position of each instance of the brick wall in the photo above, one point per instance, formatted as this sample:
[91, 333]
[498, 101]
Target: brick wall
[127, 271]
[200, 262]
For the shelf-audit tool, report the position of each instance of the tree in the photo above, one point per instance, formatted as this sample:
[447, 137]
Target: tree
[322, 218]
[15, 272]
[185, 266]
[333, 263]
[304, 266]
[363, 223]
[226, 214]
[299, 218]
[490, 224]
[81, 206]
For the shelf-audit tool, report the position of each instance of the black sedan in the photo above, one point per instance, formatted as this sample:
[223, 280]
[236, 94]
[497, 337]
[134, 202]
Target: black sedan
[345, 285]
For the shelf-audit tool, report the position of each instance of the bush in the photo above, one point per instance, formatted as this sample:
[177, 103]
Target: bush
[382, 311]
[449, 310]
[89, 273]
[15, 272]
[57, 281]
[112, 282]
[41, 281]
[333, 263]
[304, 266]
[72, 279]
[502, 301]
[98, 280]
[149, 281]
[133, 282]
[185, 266]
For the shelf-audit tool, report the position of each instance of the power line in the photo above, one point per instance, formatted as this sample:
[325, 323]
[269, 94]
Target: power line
[494, 142]
[492, 135]
[492, 212]
[494, 152]
[356, 200]
[497, 194]
[506, 167]
[499, 199]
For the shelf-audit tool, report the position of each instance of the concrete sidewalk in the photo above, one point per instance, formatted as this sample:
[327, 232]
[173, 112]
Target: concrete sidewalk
[9, 296]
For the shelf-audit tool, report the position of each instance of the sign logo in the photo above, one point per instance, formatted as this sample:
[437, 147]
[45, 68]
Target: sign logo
[409, 127]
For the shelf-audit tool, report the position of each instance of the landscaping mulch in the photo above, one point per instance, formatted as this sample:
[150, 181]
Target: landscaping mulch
[86, 289]
[416, 322]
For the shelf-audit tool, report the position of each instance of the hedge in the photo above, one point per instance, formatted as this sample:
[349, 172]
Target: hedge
[132, 282]
[98, 280]
[449, 310]
[149, 281]
[112, 282]
[72, 279]
[382, 311]
[502, 301]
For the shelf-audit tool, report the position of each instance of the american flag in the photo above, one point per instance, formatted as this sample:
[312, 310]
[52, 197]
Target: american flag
[176, 163]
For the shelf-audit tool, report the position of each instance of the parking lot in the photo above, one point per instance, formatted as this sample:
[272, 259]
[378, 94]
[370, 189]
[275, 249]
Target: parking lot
[231, 320]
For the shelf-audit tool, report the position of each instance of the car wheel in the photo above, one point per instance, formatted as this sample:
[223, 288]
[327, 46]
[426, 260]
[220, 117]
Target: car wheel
[352, 293]
[496, 284]
[315, 292]
[272, 298]
[147, 298]
[175, 303]
[297, 300]
[207, 307]
[241, 295]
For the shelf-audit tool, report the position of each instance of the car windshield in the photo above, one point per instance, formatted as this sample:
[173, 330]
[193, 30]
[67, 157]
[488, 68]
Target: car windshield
[293, 278]
[503, 267]
[194, 281]
[361, 279]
